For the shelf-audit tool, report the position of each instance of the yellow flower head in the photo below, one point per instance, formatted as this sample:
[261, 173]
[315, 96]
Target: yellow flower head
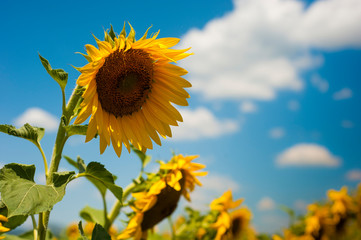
[129, 87]
[225, 202]
[240, 221]
[182, 167]
[224, 221]
[72, 231]
[133, 229]
[342, 202]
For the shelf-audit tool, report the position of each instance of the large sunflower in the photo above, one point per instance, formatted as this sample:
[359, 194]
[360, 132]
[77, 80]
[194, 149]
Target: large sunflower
[129, 90]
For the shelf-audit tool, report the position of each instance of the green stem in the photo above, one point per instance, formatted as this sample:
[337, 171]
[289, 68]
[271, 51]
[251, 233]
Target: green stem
[61, 138]
[171, 227]
[118, 204]
[44, 159]
[106, 220]
[35, 228]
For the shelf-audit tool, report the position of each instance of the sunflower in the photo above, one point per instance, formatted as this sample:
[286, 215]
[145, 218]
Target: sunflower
[224, 221]
[130, 86]
[182, 167]
[160, 199]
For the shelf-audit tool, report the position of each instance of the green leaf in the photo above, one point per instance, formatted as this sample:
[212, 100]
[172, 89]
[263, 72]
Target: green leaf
[28, 132]
[99, 233]
[76, 129]
[12, 222]
[81, 164]
[80, 226]
[102, 179]
[22, 196]
[71, 162]
[143, 157]
[59, 75]
[90, 214]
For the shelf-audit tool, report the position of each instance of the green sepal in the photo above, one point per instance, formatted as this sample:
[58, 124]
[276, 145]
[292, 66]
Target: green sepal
[123, 32]
[145, 34]
[76, 129]
[22, 196]
[131, 34]
[112, 33]
[59, 75]
[142, 156]
[90, 214]
[89, 59]
[99, 233]
[80, 226]
[28, 132]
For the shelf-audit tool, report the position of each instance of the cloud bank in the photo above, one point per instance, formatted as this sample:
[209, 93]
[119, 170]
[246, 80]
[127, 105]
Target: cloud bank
[261, 47]
[305, 154]
[39, 118]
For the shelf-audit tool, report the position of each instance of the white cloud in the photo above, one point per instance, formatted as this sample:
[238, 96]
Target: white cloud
[266, 204]
[354, 175]
[261, 47]
[319, 83]
[213, 186]
[277, 133]
[201, 123]
[293, 105]
[344, 93]
[39, 118]
[347, 124]
[305, 154]
[248, 107]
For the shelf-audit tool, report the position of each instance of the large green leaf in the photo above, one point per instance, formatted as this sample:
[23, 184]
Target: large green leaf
[22, 196]
[59, 75]
[97, 173]
[99, 233]
[33, 134]
[90, 214]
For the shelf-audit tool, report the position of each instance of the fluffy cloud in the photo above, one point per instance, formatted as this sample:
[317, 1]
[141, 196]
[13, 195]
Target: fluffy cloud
[262, 46]
[266, 204]
[213, 186]
[344, 93]
[277, 133]
[248, 107]
[305, 154]
[39, 118]
[319, 83]
[201, 123]
[354, 175]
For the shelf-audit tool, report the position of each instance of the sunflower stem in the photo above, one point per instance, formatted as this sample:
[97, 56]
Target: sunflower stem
[171, 227]
[44, 159]
[35, 228]
[118, 204]
[57, 153]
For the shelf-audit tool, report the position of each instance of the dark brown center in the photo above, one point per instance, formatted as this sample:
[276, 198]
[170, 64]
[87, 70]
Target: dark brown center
[124, 81]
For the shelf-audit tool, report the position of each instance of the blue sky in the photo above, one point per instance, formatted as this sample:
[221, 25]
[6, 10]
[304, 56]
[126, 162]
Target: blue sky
[275, 104]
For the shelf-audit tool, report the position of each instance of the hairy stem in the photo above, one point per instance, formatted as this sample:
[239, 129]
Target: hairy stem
[61, 138]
